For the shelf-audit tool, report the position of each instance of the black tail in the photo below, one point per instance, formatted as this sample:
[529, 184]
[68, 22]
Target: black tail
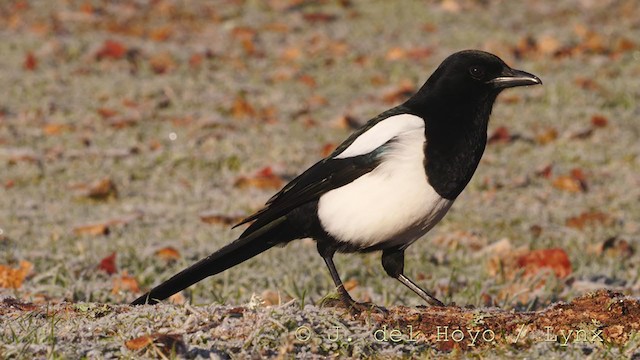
[231, 255]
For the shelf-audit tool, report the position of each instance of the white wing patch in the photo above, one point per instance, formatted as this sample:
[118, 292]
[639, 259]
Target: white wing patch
[380, 133]
[392, 205]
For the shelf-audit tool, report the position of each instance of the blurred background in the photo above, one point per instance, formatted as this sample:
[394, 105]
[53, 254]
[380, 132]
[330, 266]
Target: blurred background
[133, 134]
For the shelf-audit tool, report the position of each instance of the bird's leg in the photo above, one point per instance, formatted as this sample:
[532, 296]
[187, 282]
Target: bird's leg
[354, 306]
[393, 264]
[344, 294]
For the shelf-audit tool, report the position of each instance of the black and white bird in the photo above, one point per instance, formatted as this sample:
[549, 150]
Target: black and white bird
[386, 186]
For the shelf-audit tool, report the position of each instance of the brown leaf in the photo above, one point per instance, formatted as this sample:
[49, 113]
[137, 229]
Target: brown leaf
[347, 122]
[451, 6]
[12, 278]
[318, 17]
[168, 254]
[161, 34]
[102, 189]
[592, 218]
[567, 183]
[54, 128]
[122, 122]
[108, 264]
[500, 135]
[350, 284]
[599, 121]
[196, 60]
[125, 283]
[264, 179]
[211, 217]
[30, 62]
[547, 136]
[139, 342]
[111, 49]
[94, 229]
[291, 54]
[537, 260]
[106, 112]
[395, 53]
[548, 45]
[400, 93]
[162, 63]
[242, 108]
[307, 80]
[327, 149]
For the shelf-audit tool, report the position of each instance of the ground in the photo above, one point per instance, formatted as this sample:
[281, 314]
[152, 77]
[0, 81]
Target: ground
[133, 135]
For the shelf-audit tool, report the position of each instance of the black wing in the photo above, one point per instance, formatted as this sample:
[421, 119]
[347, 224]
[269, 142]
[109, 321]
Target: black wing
[322, 177]
[326, 175]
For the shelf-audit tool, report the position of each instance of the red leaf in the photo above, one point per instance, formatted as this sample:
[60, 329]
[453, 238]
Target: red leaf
[30, 62]
[537, 260]
[500, 135]
[108, 264]
[111, 49]
[599, 121]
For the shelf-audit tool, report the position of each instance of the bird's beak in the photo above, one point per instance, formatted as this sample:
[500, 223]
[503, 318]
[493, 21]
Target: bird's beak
[512, 78]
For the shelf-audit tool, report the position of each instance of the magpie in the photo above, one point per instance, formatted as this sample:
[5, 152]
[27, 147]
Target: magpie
[385, 186]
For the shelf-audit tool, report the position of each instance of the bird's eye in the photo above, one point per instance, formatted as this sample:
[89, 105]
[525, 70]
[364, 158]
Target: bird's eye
[476, 71]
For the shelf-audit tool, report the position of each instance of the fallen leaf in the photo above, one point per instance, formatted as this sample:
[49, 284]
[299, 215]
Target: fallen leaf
[318, 17]
[177, 299]
[548, 45]
[350, 284]
[111, 49]
[106, 112]
[125, 283]
[264, 179]
[108, 264]
[592, 218]
[196, 60]
[546, 136]
[102, 189]
[327, 149]
[162, 63]
[212, 217]
[395, 53]
[451, 6]
[545, 171]
[553, 259]
[139, 342]
[501, 135]
[399, 93]
[94, 229]
[12, 278]
[567, 183]
[54, 128]
[347, 122]
[161, 34]
[307, 80]
[9, 184]
[242, 108]
[30, 62]
[599, 121]
[168, 254]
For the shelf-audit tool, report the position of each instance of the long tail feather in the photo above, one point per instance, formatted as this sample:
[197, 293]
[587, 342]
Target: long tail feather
[233, 254]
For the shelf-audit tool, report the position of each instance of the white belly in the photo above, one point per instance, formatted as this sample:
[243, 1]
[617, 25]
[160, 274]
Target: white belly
[393, 204]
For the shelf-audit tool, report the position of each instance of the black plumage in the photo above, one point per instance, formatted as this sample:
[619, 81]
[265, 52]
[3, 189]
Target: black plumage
[453, 108]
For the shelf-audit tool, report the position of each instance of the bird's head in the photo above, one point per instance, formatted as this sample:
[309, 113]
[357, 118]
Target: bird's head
[469, 76]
